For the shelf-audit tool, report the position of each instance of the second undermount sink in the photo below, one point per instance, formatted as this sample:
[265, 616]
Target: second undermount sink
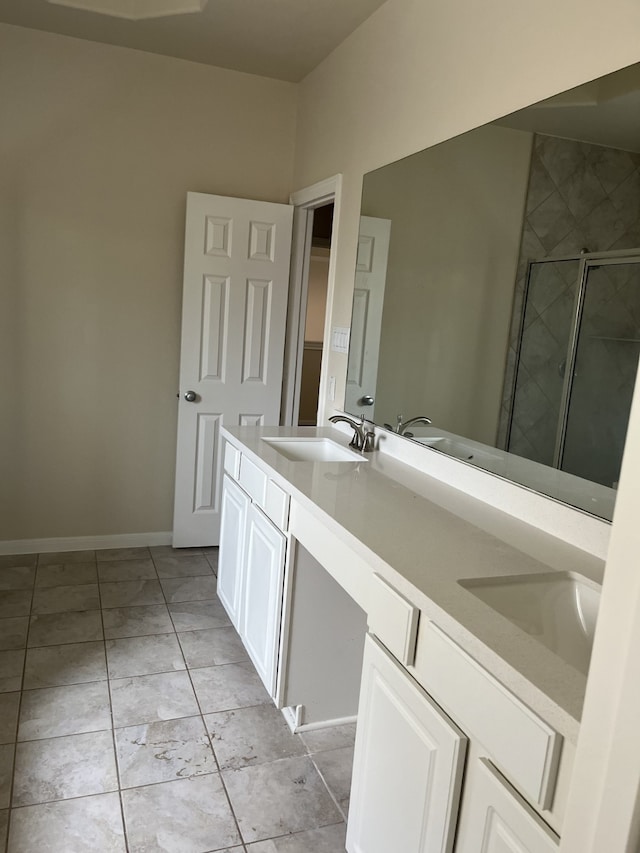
[314, 449]
[559, 609]
[459, 449]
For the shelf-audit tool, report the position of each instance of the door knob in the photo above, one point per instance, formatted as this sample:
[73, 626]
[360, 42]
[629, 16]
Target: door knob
[190, 396]
[367, 400]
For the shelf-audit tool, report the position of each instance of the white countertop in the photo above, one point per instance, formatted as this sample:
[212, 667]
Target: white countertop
[426, 536]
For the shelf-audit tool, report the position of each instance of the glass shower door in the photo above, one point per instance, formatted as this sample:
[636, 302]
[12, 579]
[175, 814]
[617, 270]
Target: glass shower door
[599, 394]
[548, 319]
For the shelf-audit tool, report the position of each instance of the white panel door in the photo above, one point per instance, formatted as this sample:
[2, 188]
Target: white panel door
[234, 306]
[235, 505]
[366, 319]
[495, 819]
[262, 595]
[408, 764]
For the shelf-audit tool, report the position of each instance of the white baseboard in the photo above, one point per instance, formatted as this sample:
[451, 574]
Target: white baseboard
[84, 543]
[327, 724]
[294, 716]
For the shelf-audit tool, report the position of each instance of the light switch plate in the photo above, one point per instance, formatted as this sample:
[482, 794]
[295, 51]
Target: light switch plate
[332, 388]
[340, 339]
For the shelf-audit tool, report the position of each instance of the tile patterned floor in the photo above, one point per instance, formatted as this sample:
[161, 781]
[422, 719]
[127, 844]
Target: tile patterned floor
[132, 720]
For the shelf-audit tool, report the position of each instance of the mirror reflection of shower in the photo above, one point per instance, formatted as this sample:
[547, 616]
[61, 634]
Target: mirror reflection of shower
[576, 364]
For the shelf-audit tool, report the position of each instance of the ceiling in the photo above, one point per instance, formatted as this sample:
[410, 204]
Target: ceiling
[605, 112]
[285, 39]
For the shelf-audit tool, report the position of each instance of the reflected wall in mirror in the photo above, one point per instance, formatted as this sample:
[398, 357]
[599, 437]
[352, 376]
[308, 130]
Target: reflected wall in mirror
[497, 291]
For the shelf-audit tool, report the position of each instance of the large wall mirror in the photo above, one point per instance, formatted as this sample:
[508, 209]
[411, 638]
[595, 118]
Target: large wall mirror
[497, 293]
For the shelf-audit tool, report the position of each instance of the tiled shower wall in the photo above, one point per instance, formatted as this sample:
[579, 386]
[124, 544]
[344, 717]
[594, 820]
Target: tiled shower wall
[580, 196]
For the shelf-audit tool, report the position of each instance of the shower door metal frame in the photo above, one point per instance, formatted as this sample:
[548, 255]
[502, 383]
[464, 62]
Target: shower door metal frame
[588, 260]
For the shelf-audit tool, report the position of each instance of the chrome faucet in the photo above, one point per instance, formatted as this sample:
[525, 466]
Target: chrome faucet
[363, 437]
[401, 425]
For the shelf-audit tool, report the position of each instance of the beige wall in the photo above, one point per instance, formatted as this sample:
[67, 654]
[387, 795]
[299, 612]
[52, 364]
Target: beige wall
[456, 218]
[98, 148]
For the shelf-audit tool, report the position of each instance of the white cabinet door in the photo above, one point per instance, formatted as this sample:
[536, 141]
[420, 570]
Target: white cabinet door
[495, 819]
[408, 764]
[235, 505]
[262, 596]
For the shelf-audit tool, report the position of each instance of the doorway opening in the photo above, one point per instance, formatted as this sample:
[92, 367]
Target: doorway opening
[317, 285]
[311, 284]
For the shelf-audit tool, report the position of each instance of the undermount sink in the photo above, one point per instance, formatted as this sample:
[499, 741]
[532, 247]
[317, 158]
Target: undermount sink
[301, 449]
[559, 609]
[458, 449]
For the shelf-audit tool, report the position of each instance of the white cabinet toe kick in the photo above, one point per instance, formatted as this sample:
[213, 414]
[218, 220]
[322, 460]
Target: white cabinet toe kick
[447, 758]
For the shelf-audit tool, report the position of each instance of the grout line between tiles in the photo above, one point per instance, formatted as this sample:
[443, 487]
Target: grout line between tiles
[113, 733]
[15, 746]
[215, 757]
[242, 844]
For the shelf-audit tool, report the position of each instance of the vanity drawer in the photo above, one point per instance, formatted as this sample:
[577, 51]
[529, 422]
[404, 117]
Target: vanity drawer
[526, 749]
[232, 460]
[253, 480]
[277, 506]
[393, 619]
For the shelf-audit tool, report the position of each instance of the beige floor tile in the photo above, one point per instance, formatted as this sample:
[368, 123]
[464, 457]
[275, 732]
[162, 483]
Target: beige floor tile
[144, 655]
[212, 559]
[126, 570]
[189, 589]
[53, 629]
[73, 663]
[327, 839]
[199, 615]
[13, 632]
[185, 816]
[6, 767]
[15, 602]
[163, 751]
[4, 826]
[336, 768]
[331, 737]
[62, 557]
[212, 647]
[64, 767]
[11, 667]
[249, 736]
[131, 593]
[69, 710]
[147, 698]
[280, 797]
[137, 621]
[224, 688]
[84, 825]
[10, 561]
[65, 599]
[182, 567]
[112, 554]
[169, 551]
[18, 577]
[66, 575]
[9, 704]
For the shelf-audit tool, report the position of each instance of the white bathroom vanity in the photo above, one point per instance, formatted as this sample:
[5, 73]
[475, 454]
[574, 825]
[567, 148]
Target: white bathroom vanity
[363, 587]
